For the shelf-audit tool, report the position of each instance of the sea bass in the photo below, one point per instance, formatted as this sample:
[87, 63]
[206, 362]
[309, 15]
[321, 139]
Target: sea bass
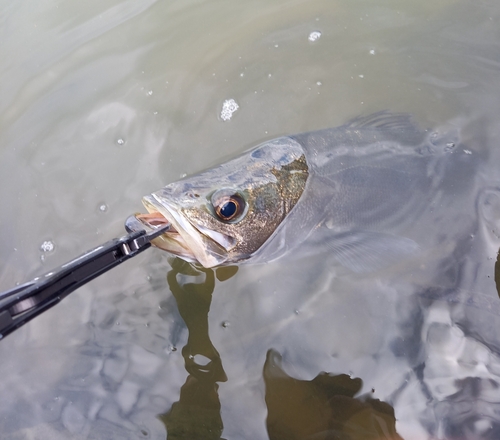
[353, 191]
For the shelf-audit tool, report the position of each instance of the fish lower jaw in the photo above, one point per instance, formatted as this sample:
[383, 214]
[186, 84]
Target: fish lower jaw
[173, 245]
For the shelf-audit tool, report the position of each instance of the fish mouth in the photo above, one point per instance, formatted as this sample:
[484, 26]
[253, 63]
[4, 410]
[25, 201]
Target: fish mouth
[183, 239]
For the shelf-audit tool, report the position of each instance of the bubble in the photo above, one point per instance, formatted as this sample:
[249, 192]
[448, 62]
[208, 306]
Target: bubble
[319, 83]
[47, 246]
[103, 207]
[226, 324]
[120, 141]
[361, 76]
[372, 52]
[467, 152]
[314, 36]
[229, 106]
[276, 45]
[150, 92]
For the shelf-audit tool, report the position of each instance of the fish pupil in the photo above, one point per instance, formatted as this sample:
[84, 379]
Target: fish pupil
[228, 205]
[228, 209]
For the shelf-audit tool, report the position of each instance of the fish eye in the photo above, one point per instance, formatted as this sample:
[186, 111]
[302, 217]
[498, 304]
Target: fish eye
[228, 205]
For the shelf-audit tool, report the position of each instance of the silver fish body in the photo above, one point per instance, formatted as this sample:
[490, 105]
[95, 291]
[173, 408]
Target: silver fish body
[354, 191]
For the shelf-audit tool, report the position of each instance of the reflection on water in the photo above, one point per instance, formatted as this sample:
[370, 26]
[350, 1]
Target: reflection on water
[197, 413]
[497, 273]
[323, 408]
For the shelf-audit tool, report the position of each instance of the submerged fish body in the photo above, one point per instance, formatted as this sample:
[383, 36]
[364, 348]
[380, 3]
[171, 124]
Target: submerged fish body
[353, 191]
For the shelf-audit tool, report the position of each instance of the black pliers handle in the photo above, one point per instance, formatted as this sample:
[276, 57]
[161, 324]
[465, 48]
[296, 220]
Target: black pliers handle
[22, 303]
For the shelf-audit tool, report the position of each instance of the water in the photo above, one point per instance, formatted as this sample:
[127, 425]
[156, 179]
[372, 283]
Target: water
[144, 348]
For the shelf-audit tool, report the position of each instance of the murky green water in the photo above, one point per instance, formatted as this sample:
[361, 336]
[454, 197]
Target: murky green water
[103, 102]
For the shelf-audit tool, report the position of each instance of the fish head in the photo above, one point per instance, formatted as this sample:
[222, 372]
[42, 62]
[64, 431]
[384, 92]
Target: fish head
[225, 214]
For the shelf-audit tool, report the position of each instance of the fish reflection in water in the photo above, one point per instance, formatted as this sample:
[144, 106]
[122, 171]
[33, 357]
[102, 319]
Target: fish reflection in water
[197, 413]
[323, 408]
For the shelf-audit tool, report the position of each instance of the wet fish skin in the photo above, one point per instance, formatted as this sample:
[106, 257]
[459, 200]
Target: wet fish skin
[269, 179]
[353, 191]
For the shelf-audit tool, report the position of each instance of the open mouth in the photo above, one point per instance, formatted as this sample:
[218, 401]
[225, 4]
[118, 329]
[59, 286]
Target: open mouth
[153, 219]
[171, 241]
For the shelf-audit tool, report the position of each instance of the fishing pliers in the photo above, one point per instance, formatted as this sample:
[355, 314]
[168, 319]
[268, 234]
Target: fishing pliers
[23, 303]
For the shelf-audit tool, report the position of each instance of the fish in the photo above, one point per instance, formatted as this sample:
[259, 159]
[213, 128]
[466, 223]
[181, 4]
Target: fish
[352, 192]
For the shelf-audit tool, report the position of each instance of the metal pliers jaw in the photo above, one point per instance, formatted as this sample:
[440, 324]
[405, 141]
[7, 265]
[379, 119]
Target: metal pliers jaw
[23, 303]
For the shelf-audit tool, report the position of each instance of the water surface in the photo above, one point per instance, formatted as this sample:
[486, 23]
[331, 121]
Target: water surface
[103, 102]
